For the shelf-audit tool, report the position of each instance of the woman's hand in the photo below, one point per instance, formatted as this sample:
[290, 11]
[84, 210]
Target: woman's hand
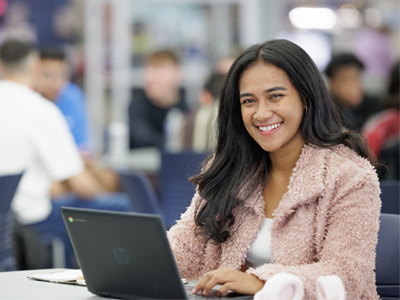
[230, 280]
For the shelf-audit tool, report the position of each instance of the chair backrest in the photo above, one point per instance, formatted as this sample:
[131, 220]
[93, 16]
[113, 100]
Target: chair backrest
[390, 197]
[176, 192]
[387, 256]
[139, 189]
[391, 156]
[8, 186]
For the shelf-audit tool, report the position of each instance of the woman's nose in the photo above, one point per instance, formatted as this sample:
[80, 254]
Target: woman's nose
[263, 112]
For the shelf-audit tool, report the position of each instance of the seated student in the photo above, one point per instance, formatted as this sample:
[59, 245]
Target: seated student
[288, 188]
[53, 83]
[198, 132]
[35, 139]
[344, 77]
[149, 108]
[382, 130]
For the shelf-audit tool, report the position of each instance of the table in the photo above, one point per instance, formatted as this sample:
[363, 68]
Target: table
[16, 286]
[145, 159]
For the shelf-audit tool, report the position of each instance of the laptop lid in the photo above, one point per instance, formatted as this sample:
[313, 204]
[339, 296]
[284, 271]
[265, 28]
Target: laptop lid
[123, 255]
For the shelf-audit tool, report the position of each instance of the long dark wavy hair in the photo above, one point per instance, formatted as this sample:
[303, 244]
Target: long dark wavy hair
[239, 164]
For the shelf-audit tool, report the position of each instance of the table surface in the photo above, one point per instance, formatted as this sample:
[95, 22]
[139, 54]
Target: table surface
[16, 285]
[145, 159]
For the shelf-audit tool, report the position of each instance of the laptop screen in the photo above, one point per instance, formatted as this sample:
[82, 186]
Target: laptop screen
[123, 255]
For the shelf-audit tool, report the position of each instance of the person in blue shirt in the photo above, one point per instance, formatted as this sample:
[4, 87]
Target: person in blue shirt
[72, 103]
[54, 84]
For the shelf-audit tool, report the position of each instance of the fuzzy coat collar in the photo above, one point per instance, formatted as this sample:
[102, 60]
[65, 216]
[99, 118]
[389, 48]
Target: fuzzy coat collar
[304, 175]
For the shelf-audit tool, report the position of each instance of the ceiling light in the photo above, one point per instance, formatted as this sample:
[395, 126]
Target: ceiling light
[313, 17]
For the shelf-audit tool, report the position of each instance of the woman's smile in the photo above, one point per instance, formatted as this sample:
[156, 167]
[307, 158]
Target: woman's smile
[269, 129]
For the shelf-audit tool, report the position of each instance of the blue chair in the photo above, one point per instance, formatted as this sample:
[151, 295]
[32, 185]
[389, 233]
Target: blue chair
[390, 197]
[387, 257]
[138, 187]
[390, 155]
[8, 186]
[176, 192]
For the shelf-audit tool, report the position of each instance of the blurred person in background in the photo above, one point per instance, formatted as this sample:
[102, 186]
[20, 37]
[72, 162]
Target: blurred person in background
[35, 139]
[224, 63]
[382, 130]
[54, 84]
[198, 132]
[150, 106]
[344, 73]
[17, 23]
[199, 128]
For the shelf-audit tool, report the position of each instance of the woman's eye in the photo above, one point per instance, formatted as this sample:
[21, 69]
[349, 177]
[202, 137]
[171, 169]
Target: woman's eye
[275, 96]
[247, 101]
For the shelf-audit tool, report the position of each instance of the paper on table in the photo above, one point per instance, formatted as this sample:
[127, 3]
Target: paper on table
[67, 276]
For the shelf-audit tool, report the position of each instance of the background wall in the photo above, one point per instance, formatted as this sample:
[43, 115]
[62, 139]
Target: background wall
[106, 40]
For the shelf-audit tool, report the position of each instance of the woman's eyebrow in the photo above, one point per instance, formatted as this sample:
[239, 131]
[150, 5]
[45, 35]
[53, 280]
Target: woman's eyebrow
[245, 95]
[273, 89]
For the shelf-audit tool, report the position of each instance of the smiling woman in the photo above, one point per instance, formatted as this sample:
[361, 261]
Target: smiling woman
[287, 189]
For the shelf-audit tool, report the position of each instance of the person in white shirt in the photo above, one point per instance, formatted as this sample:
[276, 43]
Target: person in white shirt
[35, 139]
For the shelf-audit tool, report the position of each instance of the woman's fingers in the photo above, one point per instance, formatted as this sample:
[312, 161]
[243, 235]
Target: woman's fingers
[211, 279]
[224, 289]
[229, 279]
[203, 285]
[216, 278]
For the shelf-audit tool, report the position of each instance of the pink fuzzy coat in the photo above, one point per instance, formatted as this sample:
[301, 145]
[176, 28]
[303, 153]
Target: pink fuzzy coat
[327, 223]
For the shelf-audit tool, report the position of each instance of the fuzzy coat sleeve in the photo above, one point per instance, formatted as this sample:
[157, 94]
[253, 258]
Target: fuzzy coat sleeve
[188, 248]
[348, 246]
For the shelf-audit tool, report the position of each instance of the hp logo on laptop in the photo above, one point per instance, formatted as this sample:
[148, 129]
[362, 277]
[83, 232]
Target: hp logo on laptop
[121, 255]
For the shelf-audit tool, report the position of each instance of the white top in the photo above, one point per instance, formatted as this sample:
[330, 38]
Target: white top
[35, 138]
[260, 250]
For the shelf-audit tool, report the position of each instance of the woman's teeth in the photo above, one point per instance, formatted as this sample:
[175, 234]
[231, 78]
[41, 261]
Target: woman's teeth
[269, 128]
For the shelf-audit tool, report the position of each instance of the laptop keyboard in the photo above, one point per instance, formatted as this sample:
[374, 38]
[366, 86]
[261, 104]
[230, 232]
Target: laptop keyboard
[197, 296]
[212, 295]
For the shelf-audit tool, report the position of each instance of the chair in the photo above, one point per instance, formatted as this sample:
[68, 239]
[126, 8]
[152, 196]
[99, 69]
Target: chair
[8, 186]
[138, 187]
[390, 197]
[387, 257]
[390, 155]
[176, 192]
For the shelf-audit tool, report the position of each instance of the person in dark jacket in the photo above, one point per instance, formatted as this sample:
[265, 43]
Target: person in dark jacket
[344, 74]
[150, 106]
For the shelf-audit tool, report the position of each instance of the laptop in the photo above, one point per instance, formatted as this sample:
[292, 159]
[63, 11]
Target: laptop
[127, 255]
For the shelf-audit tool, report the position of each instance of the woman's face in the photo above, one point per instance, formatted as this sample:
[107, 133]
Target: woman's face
[271, 108]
